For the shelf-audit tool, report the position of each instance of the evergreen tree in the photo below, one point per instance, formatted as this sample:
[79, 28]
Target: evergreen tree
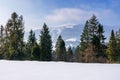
[14, 37]
[35, 52]
[69, 54]
[85, 39]
[60, 49]
[78, 54]
[89, 32]
[30, 43]
[31, 38]
[45, 44]
[111, 50]
[93, 33]
[1, 31]
[1, 41]
[118, 45]
[100, 44]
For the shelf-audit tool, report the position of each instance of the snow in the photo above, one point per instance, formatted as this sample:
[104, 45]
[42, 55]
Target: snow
[71, 40]
[33, 70]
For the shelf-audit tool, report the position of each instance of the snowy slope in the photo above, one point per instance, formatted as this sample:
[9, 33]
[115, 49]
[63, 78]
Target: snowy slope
[70, 33]
[33, 70]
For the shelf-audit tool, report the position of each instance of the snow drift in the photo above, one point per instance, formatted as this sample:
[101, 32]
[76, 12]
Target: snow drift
[33, 70]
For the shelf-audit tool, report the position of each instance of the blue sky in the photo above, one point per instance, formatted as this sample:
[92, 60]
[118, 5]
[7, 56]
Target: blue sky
[59, 12]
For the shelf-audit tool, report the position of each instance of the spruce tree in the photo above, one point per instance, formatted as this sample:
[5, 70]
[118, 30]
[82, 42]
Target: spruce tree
[118, 45]
[45, 44]
[30, 44]
[60, 50]
[78, 55]
[69, 54]
[112, 46]
[14, 36]
[89, 32]
[85, 39]
[1, 41]
[93, 33]
[1, 31]
[35, 52]
[100, 41]
[31, 38]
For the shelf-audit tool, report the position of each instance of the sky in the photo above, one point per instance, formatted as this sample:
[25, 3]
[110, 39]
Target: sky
[59, 12]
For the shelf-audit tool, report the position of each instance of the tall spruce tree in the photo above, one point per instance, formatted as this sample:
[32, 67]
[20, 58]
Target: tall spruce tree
[112, 48]
[30, 43]
[14, 36]
[93, 34]
[45, 44]
[60, 49]
[118, 45]
[89, 32]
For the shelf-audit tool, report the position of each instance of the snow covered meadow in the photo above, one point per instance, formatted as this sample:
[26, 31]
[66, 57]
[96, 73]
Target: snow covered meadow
[33, 70]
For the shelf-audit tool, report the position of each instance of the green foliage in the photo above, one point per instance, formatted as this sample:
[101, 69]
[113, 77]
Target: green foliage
[118, 45]
[69, 54]
[85, 39]
[60, 50]
[89, 32]
[91, 49]
[45, 44]
[112, 48]
[93, 33]
[14, 37]
[35, 52]
[78, 54]
[30, 44]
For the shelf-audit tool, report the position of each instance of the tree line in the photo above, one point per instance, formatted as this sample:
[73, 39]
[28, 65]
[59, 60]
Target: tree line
[92, 47]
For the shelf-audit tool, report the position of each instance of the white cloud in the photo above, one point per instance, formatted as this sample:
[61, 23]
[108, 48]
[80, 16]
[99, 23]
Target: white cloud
[76, 15]
[35, 20]
[66, 15]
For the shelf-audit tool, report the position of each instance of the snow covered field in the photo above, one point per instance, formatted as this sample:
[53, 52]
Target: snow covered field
[33, 70]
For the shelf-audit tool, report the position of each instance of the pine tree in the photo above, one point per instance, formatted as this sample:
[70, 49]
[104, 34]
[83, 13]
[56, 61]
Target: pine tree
[78, 55]
[118, 45]
[85, 39]
[35, 52]
[69, 54]
[100, 44]
[93, 33]
[31, 38]
[1, 41]
[1, 31]
[30, 44]
[111, 50]
[14, 37]
[89, 32]
[60, 49]
[45, 44]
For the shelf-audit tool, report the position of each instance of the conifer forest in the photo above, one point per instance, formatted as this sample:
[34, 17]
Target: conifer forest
[92, 47]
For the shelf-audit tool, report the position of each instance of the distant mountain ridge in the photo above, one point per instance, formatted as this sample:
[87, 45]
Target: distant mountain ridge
[70, 33]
